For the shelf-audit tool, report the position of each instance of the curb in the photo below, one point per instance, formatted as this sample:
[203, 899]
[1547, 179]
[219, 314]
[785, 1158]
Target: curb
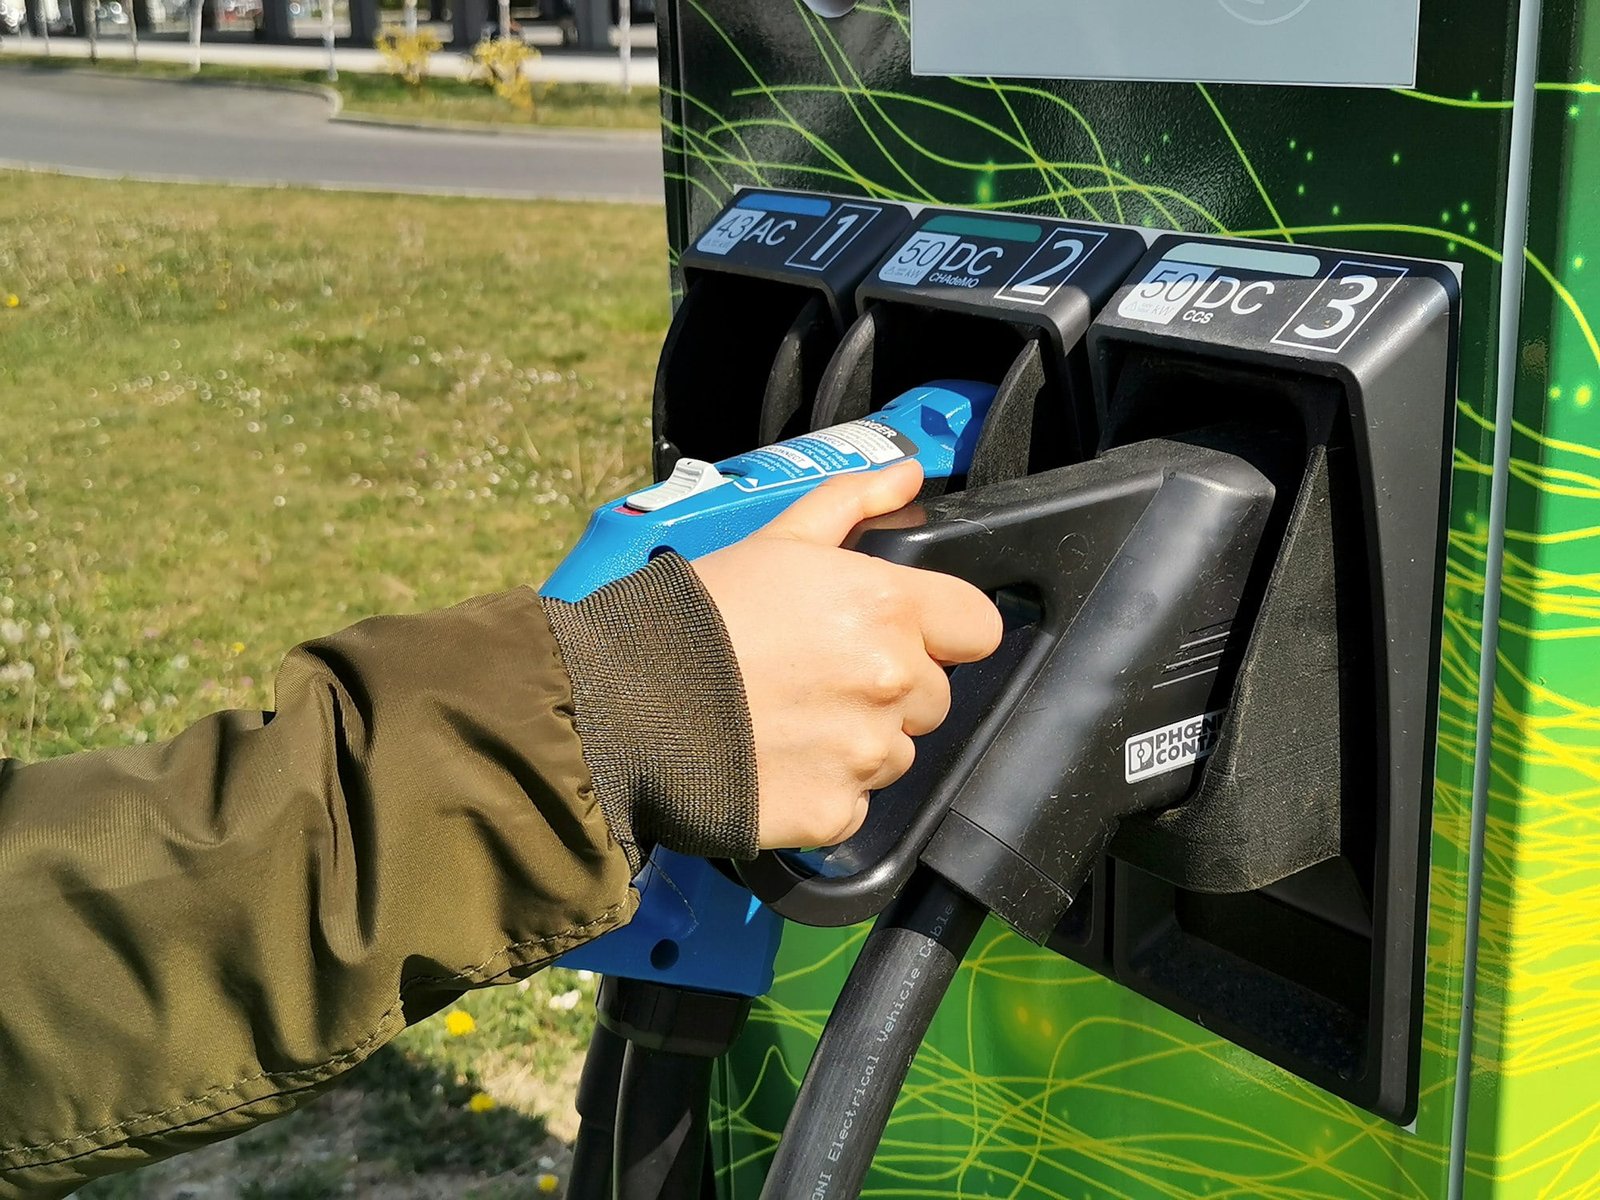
[337, 115]
[333, 99]
[548, 132]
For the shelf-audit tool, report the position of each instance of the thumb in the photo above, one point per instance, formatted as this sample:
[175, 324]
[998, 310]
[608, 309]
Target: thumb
[826, 516]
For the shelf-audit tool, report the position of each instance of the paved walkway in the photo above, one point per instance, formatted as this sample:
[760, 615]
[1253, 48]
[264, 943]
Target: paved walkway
[554, 64]
[197, 132]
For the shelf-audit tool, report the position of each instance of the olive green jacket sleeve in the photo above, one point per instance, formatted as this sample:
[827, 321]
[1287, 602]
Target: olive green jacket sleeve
[195, 936]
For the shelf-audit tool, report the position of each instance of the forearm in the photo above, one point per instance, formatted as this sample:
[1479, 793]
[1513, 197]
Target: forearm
[199, 933]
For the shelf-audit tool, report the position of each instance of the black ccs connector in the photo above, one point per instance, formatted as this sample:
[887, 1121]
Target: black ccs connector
[1122, 712]
[1123, 580]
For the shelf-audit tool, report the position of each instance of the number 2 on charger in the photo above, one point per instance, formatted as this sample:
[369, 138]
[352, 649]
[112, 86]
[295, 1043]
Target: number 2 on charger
[1051, 265]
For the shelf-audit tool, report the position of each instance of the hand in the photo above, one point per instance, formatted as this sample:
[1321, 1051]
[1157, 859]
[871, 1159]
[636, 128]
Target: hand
[842, 654]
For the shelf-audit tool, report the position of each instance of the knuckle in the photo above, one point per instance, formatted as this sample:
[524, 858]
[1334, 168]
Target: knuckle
[887, 596]
[900, 761]
[888, 681]
[848, 817]
[840, 490]
[866, 755]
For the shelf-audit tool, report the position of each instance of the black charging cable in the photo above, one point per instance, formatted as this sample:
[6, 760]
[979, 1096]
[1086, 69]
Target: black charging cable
[645, 1093]
[592, 1153]
[902, 973]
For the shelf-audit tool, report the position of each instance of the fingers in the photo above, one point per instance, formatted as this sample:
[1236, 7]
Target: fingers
[842, 654]
[927, 703]
[899, 753]
[959, 623]
[825, 516]
[853, 822]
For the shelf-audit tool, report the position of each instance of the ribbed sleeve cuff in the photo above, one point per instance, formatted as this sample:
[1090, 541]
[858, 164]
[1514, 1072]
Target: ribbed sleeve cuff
[661, 712]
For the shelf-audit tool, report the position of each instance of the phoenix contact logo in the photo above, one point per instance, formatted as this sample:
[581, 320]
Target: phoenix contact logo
[1265, 12]
[1158, 751]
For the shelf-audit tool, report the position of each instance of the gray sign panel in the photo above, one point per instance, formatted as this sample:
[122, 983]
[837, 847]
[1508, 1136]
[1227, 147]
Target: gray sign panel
[1365, 42]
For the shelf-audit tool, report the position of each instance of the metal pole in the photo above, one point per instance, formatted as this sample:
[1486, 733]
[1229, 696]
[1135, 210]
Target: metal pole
[625, 42]
[133, 30]
[505, 20]
[411, 18]
[196, 15]
[92, 8]
[1520, 150]
[327, 40]
[44, 25]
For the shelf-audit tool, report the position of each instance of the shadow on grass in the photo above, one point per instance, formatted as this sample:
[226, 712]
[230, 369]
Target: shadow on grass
[395, 1124]
[420, 1119]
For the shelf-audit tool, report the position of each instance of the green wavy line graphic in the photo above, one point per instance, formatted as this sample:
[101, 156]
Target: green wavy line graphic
[1041, 1079]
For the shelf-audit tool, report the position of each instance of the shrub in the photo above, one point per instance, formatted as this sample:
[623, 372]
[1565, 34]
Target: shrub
[499, 65]
[407, 54]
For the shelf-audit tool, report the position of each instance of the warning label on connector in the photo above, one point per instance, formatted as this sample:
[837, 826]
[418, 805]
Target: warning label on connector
[1172, 746]
[837, 450]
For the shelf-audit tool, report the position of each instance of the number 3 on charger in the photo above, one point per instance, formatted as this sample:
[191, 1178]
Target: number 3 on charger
[1340, 305]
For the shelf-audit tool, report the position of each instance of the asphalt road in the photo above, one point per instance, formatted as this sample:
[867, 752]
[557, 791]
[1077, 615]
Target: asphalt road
[555, 64]
[195, 132]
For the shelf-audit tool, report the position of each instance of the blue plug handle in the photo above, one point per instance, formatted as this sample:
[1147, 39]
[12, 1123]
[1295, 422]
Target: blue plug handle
[696, 928]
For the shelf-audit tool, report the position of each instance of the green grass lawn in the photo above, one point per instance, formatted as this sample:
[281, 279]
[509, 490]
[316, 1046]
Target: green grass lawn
[587, 105]
[236, 419]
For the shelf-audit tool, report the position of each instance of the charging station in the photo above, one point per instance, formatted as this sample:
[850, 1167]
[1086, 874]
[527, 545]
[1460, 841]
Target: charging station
[1287, 491]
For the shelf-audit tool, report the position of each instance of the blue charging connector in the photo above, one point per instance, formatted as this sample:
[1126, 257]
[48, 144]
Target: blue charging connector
[696, 928]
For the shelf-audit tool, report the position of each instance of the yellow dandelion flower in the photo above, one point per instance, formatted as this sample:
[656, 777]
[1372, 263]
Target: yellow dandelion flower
[458, 1023]
[121, 268]
[481, 1102]
[237, 648]
[13, 300]
[547, 1183]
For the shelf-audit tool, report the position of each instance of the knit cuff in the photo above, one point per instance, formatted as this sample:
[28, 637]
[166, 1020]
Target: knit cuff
[661, 713]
